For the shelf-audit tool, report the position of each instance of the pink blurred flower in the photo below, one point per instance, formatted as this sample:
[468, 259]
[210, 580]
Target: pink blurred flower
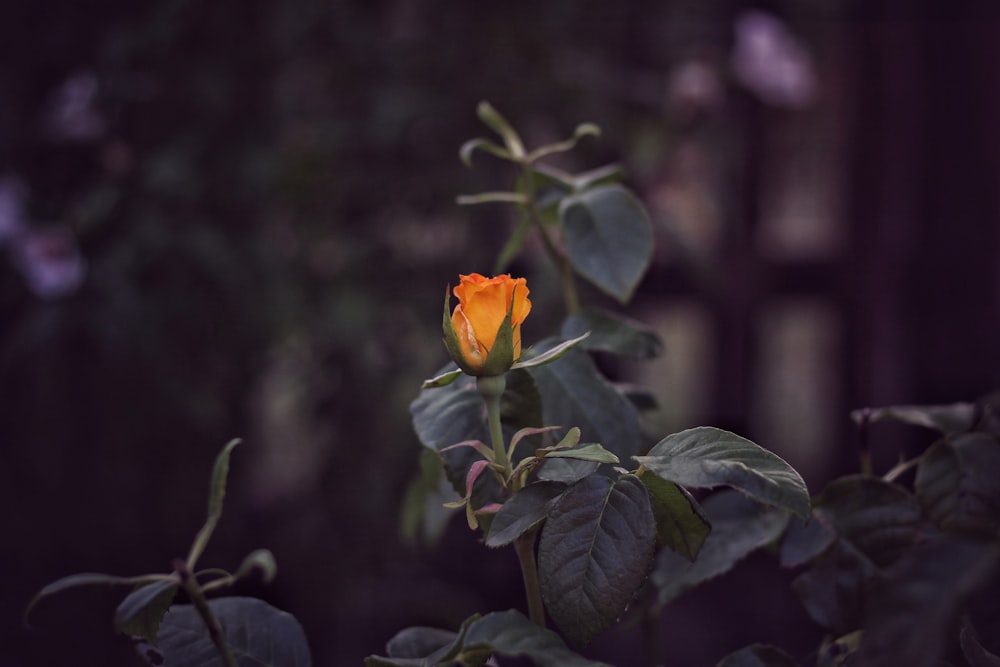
[49, 260]
[771, 62]
[72, 113]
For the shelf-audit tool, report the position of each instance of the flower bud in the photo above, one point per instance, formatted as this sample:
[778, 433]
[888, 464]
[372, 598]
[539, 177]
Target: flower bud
[483, 333]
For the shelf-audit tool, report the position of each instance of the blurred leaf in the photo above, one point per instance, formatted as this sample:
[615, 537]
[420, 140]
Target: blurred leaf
[916, 608]
[608, 238]
[422, 514]
[513, 245]
[582, 130]
[492, 118]
[419, 642]
[606, 175]
[259, 560]
[92, 579]
[944, 418]
[708, 457]
[680, 521]
[257, 633]
[973, 650]
[612, 333]
[834, 589]
[142, 611]
[483, 144]
[880, 519]
[507, 634]
[739, 527]
[956, 484]
[574, 394]
[803, 540]
[758, 655]
[523, 511]
[511, 634]
[594, 551]
[216, 494]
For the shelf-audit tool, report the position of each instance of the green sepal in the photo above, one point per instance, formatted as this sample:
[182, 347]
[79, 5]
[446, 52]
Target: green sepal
[444, 379]
[451, 341]
[552, 354]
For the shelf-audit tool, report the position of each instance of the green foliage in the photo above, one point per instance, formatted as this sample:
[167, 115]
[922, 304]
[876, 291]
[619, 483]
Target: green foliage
[758, 655]
[681, 523]
[226, 632]
[709, 457]
[257, 633]
[574, 392]
[593, 553]
[506, 633]
[142, 611]
[608, 238]
[739, 527]
[892, 569]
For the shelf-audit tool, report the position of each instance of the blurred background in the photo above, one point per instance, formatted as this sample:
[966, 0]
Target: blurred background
[236, 218]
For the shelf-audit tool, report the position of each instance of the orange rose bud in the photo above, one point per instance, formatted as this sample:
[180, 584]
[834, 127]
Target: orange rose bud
[483, 334]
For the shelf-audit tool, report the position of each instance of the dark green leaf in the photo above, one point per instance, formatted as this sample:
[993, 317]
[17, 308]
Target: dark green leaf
[594, 552]
[944, 418]
[834, 589]
[511, 634]
[140, 613]
[803, 540]
[523, 511]
[448, 415]
[419, 642]
[590, 452]
[608, 238]
[956, 484]
[878, 518]
[258, 634]
[680, 521]
[758, 655]
[916, 609]
[566, 471]
[739, 527]
[521, 407]
[708, 457]
[613, 333]
[574, 394]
